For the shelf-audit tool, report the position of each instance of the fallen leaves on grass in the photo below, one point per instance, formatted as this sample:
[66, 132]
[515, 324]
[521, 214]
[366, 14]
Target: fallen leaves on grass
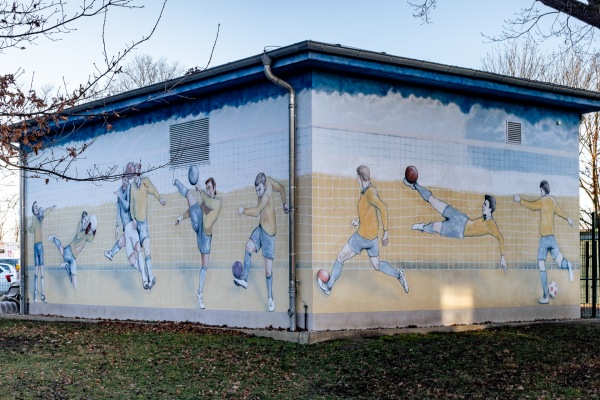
[111, 359]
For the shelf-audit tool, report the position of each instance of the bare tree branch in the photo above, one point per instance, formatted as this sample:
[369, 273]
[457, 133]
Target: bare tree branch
[574, 21]
[25, 21]
[588, 13]
[214, 46]
[423, 9]
[193, 70]
[26, 118]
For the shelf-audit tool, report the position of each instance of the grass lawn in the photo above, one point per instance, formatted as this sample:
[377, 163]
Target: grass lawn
[118, 360]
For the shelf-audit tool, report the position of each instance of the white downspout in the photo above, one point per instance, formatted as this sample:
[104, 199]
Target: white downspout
[292, 182]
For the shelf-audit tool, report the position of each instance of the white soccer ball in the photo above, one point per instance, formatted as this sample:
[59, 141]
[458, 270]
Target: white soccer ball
[553, 289]
[93, 223]
[193, 175]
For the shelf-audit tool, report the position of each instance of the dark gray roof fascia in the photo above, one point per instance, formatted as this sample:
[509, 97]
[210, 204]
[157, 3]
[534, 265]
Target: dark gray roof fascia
[448, 69]
[347, 52]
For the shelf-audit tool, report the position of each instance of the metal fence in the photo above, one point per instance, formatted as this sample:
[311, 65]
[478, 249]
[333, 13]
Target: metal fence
[589, 272]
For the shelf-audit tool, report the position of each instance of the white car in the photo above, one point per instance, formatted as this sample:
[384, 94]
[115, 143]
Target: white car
[8, 275]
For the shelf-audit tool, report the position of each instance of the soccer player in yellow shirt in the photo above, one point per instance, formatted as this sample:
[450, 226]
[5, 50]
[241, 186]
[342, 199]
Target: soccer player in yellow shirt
[365, 238]
[263, 236]
[547, 207]
[86, 232]
[141, 188]
[458, 225]
[128, 237]
[203, 216]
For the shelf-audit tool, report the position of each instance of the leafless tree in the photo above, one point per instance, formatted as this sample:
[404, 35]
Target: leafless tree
[589, 158]
[26, 116]
[575, 21]
[523, 60]
[571, 69]
[9, 217]
[144, 70]
[9, 205]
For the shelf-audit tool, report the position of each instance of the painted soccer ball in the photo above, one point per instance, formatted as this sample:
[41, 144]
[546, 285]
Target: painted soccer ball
[411, 174]
[93, 223]
[323, 275]
[553, 289]
[193, 175]
[237, 269]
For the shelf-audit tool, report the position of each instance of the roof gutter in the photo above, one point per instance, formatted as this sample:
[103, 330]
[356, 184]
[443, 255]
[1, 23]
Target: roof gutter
[337, 56]
[266, 60]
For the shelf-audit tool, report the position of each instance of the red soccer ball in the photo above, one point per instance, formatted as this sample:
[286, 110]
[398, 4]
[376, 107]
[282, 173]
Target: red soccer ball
[323, 275]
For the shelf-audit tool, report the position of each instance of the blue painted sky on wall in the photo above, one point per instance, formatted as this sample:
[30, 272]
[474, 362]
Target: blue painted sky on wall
[188, 105]
[408, 109]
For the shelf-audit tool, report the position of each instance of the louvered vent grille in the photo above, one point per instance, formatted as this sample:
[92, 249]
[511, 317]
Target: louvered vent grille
[513, 132]
[189, 142]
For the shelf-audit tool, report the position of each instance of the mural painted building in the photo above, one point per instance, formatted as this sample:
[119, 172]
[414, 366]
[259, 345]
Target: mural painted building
[200, 226]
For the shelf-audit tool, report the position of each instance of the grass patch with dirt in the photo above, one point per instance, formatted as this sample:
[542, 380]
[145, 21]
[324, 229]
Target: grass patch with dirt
[120, 360]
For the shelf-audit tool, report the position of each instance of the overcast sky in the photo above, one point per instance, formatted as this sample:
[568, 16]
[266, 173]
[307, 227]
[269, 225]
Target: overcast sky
[188, 28]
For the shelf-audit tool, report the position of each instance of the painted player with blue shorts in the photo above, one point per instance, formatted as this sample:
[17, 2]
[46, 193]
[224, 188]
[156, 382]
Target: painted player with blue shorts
[458, 225]
[548, 207]
[128, 237]
[365, 238]
[86, 232]
[263, 235]
[141, 188]
[203, 216]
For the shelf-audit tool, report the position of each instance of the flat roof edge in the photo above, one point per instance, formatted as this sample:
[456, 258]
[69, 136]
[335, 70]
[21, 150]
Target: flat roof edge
[454, 70]
[565, 93]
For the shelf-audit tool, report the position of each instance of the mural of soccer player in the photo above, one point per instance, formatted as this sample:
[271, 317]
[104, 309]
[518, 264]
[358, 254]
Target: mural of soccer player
[141, 188]
[128, 237]
[369, 207]
[458, 225]
[38, 248]
[203, 216]
[86, 232]
[547, 207]
[263, 235]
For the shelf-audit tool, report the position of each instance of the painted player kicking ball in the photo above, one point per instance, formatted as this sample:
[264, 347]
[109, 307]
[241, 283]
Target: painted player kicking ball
[263, 236]
[86, 232]
[365, 238]
[456, 224]
[548, 207]
[203, 216]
